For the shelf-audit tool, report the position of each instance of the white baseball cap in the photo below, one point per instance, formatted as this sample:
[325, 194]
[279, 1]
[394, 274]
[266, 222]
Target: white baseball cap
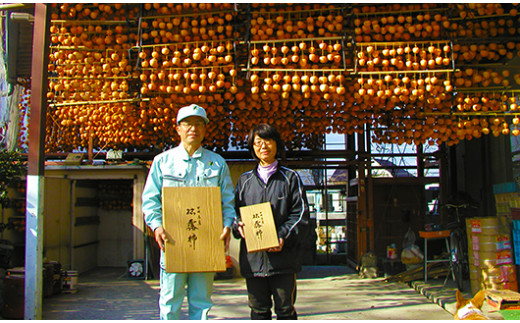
[192, 110]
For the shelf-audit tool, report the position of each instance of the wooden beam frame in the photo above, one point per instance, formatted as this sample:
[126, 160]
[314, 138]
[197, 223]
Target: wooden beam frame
[35, 171]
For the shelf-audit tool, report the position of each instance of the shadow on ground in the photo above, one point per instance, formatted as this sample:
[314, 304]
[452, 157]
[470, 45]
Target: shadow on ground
[105, 294]
[311, 272]
[324, 292]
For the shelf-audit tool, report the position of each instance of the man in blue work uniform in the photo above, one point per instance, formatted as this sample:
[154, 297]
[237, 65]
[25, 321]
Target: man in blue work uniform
[187, 165]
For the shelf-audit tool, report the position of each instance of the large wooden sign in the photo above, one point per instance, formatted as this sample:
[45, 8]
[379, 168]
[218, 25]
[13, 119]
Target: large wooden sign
[192, 219]
[259, 228]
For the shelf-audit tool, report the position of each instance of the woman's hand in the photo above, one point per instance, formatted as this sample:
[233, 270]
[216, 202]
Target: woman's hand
[277, 249]
[241, 229]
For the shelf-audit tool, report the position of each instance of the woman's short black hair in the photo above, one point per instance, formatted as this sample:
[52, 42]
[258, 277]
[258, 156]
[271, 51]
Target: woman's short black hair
[266, 131]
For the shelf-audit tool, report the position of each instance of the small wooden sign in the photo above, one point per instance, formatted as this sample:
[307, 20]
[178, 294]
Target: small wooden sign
[73, 159]
[192, 219]
[259, 228]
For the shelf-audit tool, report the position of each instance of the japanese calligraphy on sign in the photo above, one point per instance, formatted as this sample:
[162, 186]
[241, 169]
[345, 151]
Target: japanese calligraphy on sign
[258, 224]
[192, 225]
[192, 219]
[259, 228]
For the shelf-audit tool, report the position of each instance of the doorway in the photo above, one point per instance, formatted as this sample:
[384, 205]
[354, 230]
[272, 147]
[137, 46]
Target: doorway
[101, 220]
[328, 209]
[88, 222]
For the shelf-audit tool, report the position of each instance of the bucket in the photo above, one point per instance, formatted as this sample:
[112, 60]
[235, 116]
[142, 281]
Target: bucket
[69, 280]
[14, 298]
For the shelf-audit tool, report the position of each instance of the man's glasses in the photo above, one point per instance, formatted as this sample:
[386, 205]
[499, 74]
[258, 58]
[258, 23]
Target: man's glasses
[188, 125]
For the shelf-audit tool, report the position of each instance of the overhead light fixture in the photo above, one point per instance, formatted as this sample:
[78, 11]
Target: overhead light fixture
[21, 16]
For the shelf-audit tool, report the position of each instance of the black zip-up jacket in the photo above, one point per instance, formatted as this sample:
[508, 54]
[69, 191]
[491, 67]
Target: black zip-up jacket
[284, 190]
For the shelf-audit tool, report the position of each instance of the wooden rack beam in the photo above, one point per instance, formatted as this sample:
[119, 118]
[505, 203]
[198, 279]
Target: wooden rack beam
[296, 70]
[264, 13]
[470, 114]
[209, 67]
[131, 77]
[406, 72]
[204, 13]
[506, 15]
[92, 22]
[400, 12]
[53, 105]
[293, 40]
[178, 44]
[410, 42]
[500, 89]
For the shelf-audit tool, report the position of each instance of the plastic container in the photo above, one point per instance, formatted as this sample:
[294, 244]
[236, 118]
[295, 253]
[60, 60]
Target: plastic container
[391, 251]
[434, 234]
[69, 280]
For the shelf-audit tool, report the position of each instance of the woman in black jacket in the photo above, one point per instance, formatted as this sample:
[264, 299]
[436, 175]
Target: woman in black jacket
[272, 273]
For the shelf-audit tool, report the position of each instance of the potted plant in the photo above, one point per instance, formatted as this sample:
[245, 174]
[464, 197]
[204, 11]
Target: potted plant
[12, 168]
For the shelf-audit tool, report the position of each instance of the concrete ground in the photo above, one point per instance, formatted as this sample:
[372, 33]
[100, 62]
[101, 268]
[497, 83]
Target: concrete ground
[324, 292]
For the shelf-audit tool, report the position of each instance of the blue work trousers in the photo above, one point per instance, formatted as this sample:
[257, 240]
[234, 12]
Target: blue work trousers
[199, 287]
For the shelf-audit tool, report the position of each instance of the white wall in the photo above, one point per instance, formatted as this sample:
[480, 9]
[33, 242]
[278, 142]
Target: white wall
[115, 246]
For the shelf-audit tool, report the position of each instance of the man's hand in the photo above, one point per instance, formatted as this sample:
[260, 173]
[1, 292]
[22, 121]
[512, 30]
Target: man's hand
[226, 236]
[277, 249]
[160, 237]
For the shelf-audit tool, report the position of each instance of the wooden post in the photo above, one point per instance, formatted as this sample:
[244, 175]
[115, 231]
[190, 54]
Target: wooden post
[90, 152]
[36, 158]
[362, 211]
[371, 244]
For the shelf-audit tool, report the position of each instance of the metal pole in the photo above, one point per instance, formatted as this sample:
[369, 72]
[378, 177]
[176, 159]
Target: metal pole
[35, 170]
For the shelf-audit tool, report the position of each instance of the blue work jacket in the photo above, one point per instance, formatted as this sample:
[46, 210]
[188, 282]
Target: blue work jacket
[175, 167]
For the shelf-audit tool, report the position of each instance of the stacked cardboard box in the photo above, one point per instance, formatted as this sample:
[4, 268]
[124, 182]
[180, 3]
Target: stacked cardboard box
[507, 200]
[490, 254]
